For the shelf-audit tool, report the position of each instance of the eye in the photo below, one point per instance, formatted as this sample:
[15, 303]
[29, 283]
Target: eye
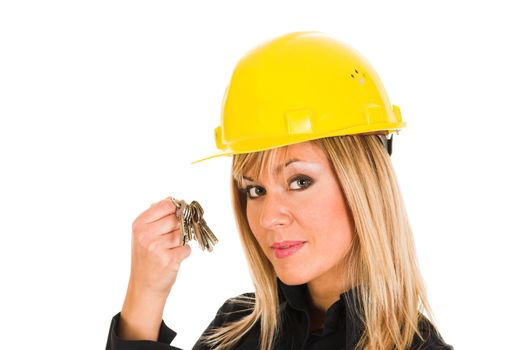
[253, 192]
[304, 181]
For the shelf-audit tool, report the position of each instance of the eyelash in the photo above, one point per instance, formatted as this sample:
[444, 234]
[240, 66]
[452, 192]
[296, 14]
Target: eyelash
[246, 190]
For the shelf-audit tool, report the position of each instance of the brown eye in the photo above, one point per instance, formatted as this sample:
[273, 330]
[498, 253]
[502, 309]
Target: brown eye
[303, 181]
[253, 194]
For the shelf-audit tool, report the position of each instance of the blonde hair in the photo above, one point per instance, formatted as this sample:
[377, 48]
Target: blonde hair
[381, 261]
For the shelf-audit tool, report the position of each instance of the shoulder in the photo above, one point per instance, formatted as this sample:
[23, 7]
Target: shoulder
[235, 308]
[432, 340]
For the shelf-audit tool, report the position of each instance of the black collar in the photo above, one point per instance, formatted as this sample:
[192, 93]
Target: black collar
[343, 315]
[348, 304]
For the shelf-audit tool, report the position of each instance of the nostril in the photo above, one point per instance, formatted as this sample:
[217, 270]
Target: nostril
[275, 218]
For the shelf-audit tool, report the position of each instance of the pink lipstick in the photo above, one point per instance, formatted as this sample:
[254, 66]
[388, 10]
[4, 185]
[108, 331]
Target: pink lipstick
[286, 248]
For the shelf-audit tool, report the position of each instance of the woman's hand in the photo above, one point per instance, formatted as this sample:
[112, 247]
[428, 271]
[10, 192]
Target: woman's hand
[156, 256]
[156, 251]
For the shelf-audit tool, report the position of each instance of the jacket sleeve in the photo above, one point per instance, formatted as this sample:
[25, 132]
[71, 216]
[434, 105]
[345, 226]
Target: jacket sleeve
[114, 342]
[229, 311]
[432, 338]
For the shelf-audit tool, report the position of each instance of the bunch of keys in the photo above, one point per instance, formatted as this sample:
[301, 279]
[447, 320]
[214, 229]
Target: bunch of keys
[193, 226]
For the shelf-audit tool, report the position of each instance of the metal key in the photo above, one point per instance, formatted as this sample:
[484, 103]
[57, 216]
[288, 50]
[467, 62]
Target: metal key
[207, 237]
[193, 226]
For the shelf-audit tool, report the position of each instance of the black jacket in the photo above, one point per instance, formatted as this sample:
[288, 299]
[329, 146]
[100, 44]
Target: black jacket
[342, 328]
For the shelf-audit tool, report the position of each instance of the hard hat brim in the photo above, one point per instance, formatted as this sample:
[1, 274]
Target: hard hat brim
[213, 156]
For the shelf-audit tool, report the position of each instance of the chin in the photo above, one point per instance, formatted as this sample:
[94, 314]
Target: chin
[292, 279]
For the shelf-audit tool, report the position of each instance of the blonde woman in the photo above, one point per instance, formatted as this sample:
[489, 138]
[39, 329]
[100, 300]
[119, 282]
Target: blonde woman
[321, 219]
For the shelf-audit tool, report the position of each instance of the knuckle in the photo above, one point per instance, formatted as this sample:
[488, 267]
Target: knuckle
[166, 206]
[152, 246]
[136, 225]
[141, 238]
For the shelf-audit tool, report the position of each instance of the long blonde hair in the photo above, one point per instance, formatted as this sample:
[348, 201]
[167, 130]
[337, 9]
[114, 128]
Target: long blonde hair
[382, 259]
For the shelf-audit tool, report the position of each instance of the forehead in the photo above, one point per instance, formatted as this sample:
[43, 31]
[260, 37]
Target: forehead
[291, 155]
[307, 151]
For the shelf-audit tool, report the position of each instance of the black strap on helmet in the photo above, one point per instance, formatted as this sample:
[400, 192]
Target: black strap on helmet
[387, 142]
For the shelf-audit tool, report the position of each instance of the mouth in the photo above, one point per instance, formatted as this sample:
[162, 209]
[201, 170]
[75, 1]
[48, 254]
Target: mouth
[286, 244]
[285, 250]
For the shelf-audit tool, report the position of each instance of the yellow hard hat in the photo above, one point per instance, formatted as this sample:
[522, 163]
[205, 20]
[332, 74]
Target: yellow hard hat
[298, 87]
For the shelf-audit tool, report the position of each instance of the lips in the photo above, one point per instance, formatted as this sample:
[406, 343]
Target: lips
[285, 244]
[285, 249]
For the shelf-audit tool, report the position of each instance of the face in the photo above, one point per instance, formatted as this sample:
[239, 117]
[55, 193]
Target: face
[305, 205]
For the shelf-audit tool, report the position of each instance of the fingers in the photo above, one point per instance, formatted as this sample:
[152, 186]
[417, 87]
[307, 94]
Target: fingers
[168, 246]
[146, 233]
[165, 225]
[166, 241]
[179, 254]
[157, 253]
[157, 211]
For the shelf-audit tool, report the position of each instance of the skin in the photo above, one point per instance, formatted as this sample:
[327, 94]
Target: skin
[310, 209]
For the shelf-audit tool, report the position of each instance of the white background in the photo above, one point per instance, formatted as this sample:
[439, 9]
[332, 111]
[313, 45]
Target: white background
[104, 104]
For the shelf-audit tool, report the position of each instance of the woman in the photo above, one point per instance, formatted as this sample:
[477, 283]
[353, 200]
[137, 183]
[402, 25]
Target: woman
[318, 208]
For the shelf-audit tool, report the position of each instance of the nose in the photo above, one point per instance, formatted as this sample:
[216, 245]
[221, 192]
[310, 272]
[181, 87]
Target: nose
[275, 212]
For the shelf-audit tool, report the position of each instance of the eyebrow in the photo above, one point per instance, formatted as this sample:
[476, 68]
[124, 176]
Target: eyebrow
[278, 169]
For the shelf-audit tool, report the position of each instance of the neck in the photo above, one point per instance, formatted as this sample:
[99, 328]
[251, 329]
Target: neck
[326, 289]
[323, 292]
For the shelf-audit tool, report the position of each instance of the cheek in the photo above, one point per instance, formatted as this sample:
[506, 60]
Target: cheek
[251, 218]
[333, 227]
